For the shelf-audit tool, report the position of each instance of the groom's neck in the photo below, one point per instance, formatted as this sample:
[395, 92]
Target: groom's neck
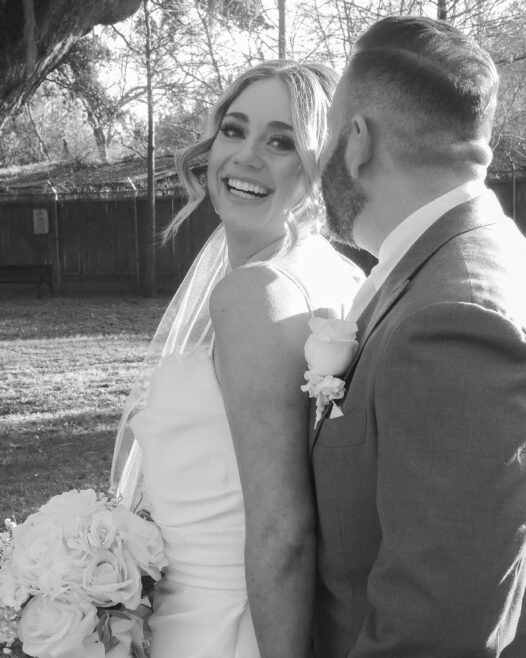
[395, 197]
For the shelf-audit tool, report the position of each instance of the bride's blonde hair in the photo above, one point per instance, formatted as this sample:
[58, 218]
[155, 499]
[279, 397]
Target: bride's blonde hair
[311, 88]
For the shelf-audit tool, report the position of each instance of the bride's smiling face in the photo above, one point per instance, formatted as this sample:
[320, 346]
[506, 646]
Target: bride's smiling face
[254, 170]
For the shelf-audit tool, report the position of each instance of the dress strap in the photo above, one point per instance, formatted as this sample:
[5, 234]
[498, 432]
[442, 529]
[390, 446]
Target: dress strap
[297, 283]
[211, 344]
[207, 335]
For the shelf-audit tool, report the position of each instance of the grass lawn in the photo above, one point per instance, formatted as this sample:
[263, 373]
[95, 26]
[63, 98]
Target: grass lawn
[66, 366]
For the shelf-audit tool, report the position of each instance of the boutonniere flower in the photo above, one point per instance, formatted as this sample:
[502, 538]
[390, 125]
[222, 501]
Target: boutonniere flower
[329, 351]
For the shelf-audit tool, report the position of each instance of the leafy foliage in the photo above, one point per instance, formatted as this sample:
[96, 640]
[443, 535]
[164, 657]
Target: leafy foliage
[36, 36]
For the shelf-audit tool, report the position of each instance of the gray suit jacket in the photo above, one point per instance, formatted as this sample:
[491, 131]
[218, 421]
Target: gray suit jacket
[421, 484]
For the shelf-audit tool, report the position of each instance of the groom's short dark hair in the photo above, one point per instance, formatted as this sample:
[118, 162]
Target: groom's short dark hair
[434, 83]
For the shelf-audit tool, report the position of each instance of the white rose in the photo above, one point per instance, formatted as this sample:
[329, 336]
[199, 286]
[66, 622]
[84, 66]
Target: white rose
[38, 545]
[102, 530]
[143, 540]
[55, 579]
[87, 536]
[113, 577]
[331, 346]
[56, 628]
[13, 592]
[73, 504]
[332, 329]
[62, 522]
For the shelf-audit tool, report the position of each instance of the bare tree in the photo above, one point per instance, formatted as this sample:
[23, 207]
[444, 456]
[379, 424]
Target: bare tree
[78, 74]
[149, 279]
[442, 10]
[282, 30]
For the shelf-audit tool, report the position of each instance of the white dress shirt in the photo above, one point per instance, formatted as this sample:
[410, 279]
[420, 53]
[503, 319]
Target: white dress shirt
[402, 238]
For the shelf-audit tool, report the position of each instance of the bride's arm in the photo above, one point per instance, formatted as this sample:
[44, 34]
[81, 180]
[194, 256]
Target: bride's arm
[261, 326]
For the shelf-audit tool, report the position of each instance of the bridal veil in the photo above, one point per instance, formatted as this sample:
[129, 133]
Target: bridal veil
[185, 327]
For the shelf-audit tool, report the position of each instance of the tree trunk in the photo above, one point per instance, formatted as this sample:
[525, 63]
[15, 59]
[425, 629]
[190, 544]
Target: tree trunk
[282, 30]
[149, 282]
[42, 144]
[102, 145]
[98, 134]
[35, 35]
[442, 10]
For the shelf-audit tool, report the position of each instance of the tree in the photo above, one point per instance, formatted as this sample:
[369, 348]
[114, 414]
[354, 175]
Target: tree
[35, 35]
[149, 282]
[282, 30]
[197, 47]
[507, 42]
[47, 122]
[326, 30]
[442, 10]
[78, 74]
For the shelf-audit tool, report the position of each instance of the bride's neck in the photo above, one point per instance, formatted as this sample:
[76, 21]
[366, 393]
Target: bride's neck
[241, 252]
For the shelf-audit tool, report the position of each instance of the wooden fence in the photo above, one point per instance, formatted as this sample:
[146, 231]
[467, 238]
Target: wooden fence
[99, 246]
[512, 196]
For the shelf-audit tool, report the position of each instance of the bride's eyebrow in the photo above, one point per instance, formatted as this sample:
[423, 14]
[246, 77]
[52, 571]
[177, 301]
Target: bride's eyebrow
[237, 115]
[272, 125]
[280, 125]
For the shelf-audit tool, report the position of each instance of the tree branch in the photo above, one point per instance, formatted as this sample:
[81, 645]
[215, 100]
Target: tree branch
[511, 59]
[43, 147]
[29, 34]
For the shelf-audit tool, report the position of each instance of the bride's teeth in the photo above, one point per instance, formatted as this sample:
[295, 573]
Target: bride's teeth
[243, 186]
[240, 193]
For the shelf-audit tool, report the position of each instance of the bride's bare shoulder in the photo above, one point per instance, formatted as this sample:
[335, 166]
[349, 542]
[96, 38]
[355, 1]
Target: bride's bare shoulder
[256, 291]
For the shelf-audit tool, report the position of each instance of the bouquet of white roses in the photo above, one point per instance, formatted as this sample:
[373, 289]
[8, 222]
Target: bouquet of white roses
[74, 578]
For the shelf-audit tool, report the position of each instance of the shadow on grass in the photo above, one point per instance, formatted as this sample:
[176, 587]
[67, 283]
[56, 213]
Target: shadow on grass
[67, 316]
[37, 461]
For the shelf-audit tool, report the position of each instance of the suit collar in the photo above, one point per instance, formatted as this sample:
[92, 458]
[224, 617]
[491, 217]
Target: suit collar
[473, 214]
[399, 241]
[481, 211]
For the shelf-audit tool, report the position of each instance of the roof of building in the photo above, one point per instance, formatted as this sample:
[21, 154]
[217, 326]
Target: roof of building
[79, 178]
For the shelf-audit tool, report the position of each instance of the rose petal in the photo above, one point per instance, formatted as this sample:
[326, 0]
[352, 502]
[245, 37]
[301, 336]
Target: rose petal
[332, 329]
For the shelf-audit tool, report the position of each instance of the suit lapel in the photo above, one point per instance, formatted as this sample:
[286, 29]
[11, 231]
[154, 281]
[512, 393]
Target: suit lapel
[465, 217]
[386, 300]
[373, 314]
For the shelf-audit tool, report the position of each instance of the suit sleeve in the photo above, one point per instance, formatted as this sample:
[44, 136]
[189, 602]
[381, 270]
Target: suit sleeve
[450, 408]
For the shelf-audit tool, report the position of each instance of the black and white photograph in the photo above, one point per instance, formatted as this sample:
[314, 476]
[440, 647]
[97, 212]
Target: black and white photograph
[263, 328]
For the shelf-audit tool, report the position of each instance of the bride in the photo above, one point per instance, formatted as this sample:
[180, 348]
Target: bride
[214, 434]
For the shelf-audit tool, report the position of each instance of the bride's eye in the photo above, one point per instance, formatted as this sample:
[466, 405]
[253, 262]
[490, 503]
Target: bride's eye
[231, 130]
[282, 143]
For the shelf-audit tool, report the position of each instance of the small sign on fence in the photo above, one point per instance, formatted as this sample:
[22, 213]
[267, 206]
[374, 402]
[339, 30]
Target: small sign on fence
[40, 221]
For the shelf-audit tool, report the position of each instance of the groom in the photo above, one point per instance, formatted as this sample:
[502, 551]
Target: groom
[421, 484]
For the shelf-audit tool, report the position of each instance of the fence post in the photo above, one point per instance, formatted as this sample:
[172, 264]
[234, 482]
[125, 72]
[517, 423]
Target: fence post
[514, 192]
[56, 251]
[136, 238]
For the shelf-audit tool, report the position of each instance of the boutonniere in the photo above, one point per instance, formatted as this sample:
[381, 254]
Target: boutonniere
[329, 351]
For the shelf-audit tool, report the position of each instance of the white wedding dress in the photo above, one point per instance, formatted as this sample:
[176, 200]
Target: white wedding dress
[192, 482]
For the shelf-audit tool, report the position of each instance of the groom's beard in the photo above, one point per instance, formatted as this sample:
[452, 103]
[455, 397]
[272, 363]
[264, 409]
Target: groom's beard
[343, 198]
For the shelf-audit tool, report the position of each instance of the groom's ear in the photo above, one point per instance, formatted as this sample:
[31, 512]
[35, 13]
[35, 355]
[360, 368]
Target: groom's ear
[359, 146]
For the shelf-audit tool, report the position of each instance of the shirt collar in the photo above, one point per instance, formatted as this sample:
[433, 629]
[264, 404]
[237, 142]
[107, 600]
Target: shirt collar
[398, 242]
